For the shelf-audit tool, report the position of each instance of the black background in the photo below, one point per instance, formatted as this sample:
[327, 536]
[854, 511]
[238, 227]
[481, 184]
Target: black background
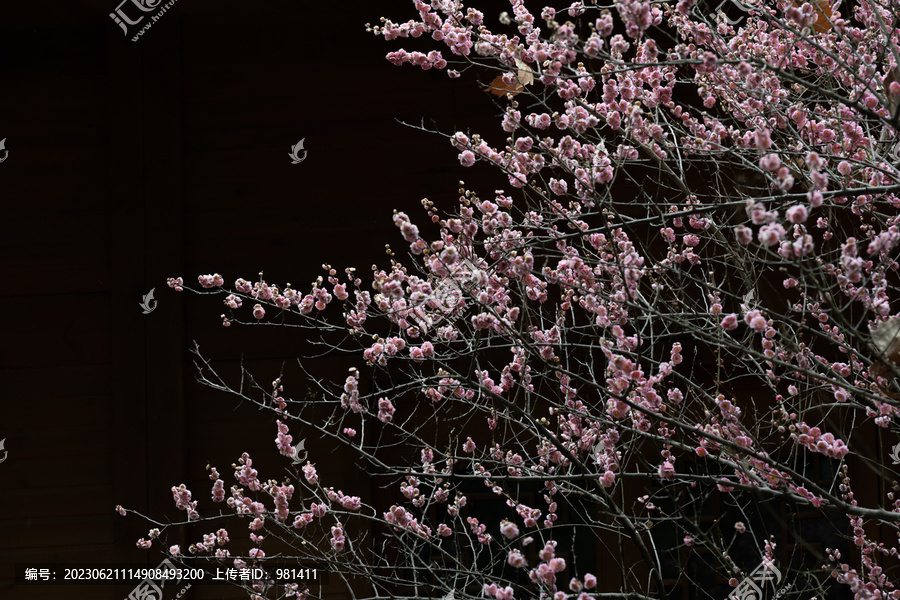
[130, 162]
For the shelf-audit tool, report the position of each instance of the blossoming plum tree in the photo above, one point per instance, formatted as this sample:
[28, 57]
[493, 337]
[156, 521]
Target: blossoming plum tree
[664, 354]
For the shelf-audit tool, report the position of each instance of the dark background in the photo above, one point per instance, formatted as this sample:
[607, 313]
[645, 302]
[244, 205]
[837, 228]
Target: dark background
[130, 162]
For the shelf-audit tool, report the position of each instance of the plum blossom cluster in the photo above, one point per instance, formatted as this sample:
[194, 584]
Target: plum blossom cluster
[815, 440]
[674, 298]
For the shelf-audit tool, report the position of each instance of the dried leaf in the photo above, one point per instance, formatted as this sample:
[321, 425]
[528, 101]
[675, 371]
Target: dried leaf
[886, 337]
[892, 76]
[525, 75]
[499, 87]
[825, 14]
